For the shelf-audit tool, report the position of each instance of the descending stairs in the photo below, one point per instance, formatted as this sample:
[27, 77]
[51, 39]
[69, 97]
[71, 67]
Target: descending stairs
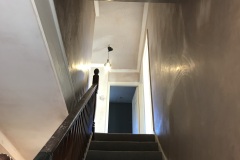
[123, 147]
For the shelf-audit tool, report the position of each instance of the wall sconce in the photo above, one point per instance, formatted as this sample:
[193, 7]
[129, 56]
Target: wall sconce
[107, 65]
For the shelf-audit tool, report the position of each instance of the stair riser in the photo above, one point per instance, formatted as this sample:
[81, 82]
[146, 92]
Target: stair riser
[118, 155]
[124, 146]
[125, 137]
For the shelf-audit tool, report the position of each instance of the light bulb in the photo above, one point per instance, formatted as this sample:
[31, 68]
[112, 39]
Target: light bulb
[107, 65]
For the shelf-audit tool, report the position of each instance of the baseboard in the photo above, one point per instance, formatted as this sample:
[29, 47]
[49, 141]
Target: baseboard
[160, 147]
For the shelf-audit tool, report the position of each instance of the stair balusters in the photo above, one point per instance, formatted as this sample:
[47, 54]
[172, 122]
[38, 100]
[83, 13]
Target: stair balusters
[70, 140]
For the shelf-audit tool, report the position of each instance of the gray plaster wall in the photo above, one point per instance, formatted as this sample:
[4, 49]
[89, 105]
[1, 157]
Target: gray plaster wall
[195, 73]
[76, 21]
[49, 22]
[68, 27]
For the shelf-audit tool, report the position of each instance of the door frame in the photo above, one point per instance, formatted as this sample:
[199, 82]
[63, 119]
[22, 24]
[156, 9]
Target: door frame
[123, 84]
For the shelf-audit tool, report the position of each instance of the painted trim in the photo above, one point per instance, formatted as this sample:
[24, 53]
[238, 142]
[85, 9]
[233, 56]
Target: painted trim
[97, 10]
[5, 142]
[142, 36]
[54, 14]
[92, 65]
[107, 110]
[134, 84]
[47, 49]
[160, 147]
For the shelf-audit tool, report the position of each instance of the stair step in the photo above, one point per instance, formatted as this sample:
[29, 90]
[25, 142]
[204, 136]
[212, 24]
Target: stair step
[124, 155]
[124, 137]
[123, 146]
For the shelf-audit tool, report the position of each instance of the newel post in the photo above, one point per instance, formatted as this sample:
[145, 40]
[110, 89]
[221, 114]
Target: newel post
[96, 77]
[95, 81]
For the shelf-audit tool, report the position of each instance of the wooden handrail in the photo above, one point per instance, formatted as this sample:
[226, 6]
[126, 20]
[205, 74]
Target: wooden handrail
[5, 157]
[70, 140]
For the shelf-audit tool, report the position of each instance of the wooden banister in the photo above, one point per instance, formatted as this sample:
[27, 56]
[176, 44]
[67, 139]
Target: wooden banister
[70, 140]
[5, 157]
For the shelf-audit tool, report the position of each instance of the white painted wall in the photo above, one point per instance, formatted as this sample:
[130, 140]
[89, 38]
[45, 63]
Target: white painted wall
[147, 91]
[102, 100]
[102, 107]
[141, 104]
[123, 77]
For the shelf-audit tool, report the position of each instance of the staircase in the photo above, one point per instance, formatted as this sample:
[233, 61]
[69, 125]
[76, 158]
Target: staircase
[123, 147]
[70, 140]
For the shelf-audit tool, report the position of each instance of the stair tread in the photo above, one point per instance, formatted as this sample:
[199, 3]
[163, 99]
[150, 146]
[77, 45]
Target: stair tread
[123, 146]
[123, 155]
[124, 137]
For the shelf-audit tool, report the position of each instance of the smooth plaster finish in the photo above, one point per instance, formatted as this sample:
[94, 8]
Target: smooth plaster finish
[102, 100]
[31, 103]
[118, 24]
[195, 72]
[123, 77]
[76, 21]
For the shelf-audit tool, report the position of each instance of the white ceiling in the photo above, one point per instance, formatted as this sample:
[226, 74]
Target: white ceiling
[118, 24]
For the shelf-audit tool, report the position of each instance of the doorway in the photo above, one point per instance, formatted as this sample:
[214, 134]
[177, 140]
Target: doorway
[120, 109]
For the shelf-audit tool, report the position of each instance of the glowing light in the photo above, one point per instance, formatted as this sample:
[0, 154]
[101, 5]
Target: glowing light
[107, 65]
[80, 67]
[147, 91]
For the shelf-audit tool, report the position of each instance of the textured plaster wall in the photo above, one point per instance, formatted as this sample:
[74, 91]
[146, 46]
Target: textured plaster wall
[47, 14]
[195, 72]
[76, 21]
